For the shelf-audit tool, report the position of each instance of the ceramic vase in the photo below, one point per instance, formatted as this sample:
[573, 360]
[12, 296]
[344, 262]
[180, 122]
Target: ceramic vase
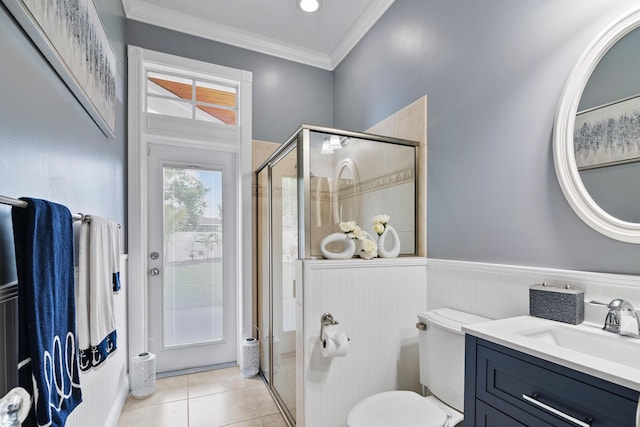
[388, 243]
[349, 246]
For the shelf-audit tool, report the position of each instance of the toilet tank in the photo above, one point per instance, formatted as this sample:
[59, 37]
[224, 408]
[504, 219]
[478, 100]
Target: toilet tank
[442, 353]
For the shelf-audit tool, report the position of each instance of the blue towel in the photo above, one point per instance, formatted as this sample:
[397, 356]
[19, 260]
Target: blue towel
[48, 362]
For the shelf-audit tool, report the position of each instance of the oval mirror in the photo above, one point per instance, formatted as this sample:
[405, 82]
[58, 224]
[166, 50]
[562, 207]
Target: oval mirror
[346, 201]
[593, 139]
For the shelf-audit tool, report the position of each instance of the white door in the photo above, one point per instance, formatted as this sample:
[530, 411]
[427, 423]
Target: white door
[192, 256]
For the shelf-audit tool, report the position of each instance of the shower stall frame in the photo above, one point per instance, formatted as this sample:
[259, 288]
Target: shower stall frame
[300, 140]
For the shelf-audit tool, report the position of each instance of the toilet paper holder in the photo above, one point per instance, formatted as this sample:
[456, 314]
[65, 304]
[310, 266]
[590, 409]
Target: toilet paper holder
[327, 320]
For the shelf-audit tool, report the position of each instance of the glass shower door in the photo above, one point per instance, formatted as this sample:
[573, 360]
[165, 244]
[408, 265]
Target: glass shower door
[284, 252]
[277, 255]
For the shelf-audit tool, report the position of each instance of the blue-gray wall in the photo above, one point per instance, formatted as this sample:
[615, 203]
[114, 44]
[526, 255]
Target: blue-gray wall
[51, 149]
[493, 71]
[285, 94]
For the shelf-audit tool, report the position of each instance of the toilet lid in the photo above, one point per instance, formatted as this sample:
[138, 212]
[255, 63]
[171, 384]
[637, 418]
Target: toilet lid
[396, 409]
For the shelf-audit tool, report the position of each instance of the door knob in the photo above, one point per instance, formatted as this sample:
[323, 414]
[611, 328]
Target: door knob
[154, 271]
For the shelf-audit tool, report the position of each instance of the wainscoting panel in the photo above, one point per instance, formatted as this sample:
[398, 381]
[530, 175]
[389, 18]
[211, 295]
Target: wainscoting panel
[105, 389]
[376, 303]
[500, 291]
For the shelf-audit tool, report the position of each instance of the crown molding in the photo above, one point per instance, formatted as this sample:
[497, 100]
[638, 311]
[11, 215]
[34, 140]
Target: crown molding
[358, 30]
[142, 11]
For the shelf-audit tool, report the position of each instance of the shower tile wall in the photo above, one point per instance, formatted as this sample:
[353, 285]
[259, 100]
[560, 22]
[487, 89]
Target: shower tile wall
[396, 186]
[411, 123]
[363, 179]
[260, 151]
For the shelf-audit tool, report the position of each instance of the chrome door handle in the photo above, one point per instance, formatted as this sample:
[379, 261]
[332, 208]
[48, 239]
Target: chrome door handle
[534, 400]
[154, 272]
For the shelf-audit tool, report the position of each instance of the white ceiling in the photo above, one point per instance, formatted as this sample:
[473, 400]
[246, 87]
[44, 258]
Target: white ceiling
[274, 27]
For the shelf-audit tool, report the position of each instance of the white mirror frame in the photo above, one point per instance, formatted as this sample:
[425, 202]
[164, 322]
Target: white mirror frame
[563, 151]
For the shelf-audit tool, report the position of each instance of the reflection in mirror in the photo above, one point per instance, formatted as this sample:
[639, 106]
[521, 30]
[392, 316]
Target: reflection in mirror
[345, 197]
[604, 80]
[607, 130]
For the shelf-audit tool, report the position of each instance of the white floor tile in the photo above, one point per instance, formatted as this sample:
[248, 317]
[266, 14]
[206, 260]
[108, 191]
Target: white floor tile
[206, 399]
[171, 414]
[221, 409]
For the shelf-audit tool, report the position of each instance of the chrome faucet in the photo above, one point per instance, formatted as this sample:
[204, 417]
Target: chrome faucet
[622, 319]
[14, 407]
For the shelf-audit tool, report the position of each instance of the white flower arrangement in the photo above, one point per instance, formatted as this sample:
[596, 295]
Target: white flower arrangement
[351, 229]
[369, 248]
[368, 245]
[347, 226]
[380, 223]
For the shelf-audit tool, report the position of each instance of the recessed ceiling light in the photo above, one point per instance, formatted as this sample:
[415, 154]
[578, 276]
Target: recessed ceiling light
[325, 147]
[308, 5]
[334, 143]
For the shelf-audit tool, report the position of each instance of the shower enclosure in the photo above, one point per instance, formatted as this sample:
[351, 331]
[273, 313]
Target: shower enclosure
[318, 178]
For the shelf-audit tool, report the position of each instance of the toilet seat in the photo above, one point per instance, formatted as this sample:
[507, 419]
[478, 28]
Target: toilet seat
[397, 409]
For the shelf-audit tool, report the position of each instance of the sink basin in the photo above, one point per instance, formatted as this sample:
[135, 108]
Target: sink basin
[584, 347]
[596, 342]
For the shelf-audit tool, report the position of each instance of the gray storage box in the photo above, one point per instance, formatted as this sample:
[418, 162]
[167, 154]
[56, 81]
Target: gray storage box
[555, 303]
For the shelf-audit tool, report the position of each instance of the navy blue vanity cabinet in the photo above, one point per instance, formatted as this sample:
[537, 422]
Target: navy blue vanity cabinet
[504, 388]
[487, 416]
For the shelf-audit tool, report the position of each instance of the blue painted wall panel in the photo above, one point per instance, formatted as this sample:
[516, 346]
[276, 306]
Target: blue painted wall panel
[50, 147]
[493, 71]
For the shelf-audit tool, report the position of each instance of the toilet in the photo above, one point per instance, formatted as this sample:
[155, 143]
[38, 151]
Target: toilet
[441, 348]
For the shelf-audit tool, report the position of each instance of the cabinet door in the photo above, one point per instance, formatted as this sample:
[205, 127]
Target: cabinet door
[487, 416]
[504, 377]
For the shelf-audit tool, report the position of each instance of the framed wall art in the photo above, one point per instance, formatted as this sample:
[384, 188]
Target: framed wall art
[70, 35]
[608, 135]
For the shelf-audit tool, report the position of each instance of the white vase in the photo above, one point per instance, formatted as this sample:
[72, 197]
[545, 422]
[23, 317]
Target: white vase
[389, 233]
[347, 252]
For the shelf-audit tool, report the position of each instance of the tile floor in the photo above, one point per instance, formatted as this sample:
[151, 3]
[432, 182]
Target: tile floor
[206, 399]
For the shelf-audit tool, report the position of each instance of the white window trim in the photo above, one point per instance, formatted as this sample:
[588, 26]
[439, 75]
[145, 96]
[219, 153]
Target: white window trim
[227, 138]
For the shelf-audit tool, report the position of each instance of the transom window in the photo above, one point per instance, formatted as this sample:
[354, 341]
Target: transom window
[190, 97]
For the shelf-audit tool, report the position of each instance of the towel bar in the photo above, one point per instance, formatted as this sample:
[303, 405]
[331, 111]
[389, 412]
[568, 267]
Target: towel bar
[22, 204]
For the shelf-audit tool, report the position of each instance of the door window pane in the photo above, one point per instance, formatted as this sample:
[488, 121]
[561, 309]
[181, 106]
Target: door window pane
[193, 276]
[210, 101]
[169, 107]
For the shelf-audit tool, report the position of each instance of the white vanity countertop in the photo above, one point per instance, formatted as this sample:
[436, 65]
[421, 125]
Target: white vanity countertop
[613, 357]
